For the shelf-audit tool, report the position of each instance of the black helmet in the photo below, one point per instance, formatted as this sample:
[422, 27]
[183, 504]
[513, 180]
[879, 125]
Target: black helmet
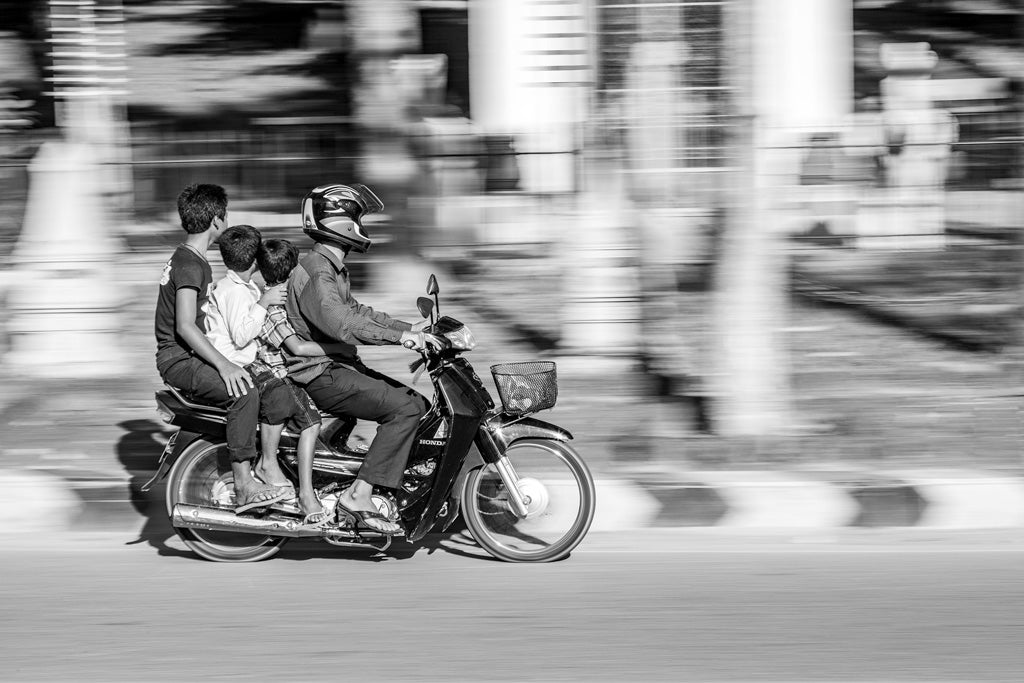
[333, 214]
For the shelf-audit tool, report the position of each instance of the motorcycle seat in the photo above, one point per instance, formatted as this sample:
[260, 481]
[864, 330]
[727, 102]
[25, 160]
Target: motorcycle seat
[193, 404]
[196, 405]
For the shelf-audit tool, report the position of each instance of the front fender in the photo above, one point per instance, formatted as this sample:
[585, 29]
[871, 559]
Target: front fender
[507, 429]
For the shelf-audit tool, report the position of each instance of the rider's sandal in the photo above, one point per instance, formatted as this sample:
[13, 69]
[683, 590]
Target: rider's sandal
[362, 515]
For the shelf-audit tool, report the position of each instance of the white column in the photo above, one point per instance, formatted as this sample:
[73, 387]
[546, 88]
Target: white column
[64, 302]
[800, 81]
[64, 305]
[528, 65]
[804, 63]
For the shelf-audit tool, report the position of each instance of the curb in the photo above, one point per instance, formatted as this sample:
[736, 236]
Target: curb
[33, 501]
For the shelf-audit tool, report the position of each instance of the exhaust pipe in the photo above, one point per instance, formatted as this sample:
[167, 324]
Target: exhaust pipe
[220, 519]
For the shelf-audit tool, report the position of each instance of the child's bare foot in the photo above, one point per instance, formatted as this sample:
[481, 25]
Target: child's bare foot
[270, 472]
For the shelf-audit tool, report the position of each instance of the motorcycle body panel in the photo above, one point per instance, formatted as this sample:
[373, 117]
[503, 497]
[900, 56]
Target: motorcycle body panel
[468, 404]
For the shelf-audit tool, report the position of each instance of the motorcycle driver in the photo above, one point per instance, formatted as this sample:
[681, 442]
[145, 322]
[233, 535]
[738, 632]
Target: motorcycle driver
[321, 308]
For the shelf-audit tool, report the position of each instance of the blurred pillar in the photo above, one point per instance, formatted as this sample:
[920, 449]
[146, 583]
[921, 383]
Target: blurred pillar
[528, 70]
[790, 69]
[383, 32]
[803, 68]
[601, 314]
[64, 303]
[654, 105]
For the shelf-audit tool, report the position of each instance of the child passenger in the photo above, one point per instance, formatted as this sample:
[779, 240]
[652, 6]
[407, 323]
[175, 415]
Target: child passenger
[242, 323]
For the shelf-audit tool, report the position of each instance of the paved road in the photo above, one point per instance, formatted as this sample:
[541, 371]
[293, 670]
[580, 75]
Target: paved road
[698, 609]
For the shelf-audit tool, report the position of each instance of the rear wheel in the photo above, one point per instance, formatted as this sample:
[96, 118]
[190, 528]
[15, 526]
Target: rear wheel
[202, 476]
[559, 493]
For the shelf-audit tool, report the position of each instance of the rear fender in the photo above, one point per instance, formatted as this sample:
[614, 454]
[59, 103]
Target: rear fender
[179, 441]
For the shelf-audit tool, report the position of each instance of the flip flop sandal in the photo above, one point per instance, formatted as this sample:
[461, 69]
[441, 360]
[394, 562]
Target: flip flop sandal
[362, 515]
[309, 524]
[288, 488]
[250, 503]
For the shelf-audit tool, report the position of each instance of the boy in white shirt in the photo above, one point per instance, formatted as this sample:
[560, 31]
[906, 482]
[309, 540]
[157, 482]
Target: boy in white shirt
[235, 317]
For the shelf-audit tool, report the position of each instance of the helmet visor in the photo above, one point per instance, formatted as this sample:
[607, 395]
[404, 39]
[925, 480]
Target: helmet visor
[371, 201]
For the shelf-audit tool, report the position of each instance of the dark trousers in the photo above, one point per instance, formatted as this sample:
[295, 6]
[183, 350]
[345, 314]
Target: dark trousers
[359, 392]
[201, 382]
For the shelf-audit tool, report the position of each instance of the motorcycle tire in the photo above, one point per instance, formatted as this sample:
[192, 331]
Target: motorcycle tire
[559, 489]
[202, 476]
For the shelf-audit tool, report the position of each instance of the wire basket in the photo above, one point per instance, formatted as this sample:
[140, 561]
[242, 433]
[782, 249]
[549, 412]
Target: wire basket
[526, 387]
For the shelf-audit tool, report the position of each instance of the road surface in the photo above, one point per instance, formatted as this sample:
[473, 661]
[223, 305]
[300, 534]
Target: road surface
[664, 607]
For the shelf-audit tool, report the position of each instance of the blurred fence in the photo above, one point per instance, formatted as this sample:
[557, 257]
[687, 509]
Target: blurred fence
[271, 163]
[989, 152]
[264, 164]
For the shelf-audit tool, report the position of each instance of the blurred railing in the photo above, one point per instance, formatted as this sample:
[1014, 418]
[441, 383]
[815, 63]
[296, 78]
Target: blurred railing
[264, 164]
[270, 163]
[988, 153]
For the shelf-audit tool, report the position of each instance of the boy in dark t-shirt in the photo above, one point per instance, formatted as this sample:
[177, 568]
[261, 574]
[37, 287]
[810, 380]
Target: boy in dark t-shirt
[187, 360]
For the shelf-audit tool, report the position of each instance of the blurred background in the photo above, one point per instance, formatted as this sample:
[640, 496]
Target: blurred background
[758, 229]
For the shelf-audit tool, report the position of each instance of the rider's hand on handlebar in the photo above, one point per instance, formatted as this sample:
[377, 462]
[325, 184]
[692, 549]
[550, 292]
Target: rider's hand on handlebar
[421, 325]
[420, 340]
[235, 380]
[433, 340]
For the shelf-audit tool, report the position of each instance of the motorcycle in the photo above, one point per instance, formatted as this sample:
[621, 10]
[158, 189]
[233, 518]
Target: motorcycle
[528, 497]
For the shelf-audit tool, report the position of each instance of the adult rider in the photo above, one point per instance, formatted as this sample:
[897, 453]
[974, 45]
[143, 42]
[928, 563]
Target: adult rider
[321, 308]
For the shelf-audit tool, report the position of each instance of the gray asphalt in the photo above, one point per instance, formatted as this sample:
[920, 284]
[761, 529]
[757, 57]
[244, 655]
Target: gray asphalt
[695, 610]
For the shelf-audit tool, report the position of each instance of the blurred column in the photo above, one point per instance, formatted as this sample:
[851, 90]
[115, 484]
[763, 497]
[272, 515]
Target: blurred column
[802, 89]
[601, 314]
[529, 70]
[654, 104]
[790, 67]
[64, 302]
[803, 69]
[383, 32]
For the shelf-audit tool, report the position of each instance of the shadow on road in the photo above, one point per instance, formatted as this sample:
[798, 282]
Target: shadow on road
[138, 450]
[459, 543]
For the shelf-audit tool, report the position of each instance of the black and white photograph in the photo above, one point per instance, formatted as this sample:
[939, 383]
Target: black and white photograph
[512, 340]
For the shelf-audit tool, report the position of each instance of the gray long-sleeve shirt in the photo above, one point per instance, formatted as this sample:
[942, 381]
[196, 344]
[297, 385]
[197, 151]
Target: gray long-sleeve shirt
[321, 308]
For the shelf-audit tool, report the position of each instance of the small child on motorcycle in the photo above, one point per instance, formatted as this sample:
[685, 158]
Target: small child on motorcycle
[245, 325]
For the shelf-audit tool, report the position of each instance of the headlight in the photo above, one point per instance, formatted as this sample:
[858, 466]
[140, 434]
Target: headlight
[461, 338]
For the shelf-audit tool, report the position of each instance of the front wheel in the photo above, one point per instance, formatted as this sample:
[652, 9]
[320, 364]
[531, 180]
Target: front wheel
[202, 476]
[559, 493]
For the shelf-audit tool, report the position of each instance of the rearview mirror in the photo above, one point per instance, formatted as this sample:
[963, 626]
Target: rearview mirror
[425, 306]
[432, 287]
